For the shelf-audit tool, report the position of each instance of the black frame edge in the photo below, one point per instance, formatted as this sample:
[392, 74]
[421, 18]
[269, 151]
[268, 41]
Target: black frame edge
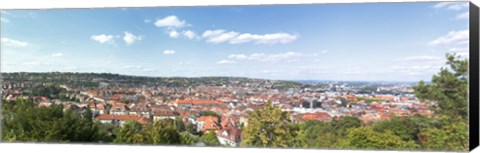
[474, 76]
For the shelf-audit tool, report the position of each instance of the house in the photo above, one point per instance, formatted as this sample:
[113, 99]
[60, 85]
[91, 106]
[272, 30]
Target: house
[119, 109]
[165, 114]
[119, 120]
[229, 121]
[207, 123]
[230, 136]
[318, 116]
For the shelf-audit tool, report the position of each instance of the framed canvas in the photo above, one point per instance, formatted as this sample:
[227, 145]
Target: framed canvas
[377, 76]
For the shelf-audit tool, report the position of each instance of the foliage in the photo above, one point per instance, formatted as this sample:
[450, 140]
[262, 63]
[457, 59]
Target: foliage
[161, 132]
[24, 122]
[270, 127]
[367, 138]
[452, 137]
[210, 139]
[449, 90]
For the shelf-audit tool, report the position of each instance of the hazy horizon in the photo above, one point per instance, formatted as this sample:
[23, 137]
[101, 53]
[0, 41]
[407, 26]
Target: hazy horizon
[378, 42]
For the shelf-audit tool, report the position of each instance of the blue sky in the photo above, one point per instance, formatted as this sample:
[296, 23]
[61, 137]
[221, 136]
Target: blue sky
[345, 42]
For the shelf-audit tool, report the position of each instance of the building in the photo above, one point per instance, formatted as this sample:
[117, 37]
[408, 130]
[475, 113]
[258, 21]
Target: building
[207, 123]
[230, 136]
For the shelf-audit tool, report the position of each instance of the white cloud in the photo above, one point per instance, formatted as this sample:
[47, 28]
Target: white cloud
[262, 57]
[462, 52]
[212, 33]
[102, 38]
[173, 34]
[168, 52]
[170, 22]
[13, 43]
[238, 56]
[273, 38]
[57, 55]
[147, 20]
[416, 69]
[218, 36]
[451, 5]
[322, 52]
[458, 6]
[226, 62]
[148, 69]
[4, 20]
[274, 57]
[463, 16]
[459, 49]
[422, 58]
[189, 34]
[130, 38]
[133, 67]
[453, 37]
[39, 63]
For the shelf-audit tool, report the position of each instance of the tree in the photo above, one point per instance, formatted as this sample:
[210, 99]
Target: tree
[366, 138]
[316, 134]
[270, 127]
[452, 137]
[210, 139]
[130, 132]
[162, 132]
[399, 126]
[449, 89]
[187, 138]
[24, 122]
[342, 125]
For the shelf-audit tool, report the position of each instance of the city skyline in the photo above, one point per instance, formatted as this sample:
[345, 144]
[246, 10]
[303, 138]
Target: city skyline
[385, 41]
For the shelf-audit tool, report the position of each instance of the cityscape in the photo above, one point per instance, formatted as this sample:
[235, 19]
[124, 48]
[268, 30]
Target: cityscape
[172, 76]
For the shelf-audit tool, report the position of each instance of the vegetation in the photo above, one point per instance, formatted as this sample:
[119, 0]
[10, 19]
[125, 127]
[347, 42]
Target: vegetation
[210, 139]
[269, 127]
[25, 123]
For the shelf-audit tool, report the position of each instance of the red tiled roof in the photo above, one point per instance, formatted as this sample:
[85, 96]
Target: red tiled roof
[199, 102]
[122, 107]
[211, 122]
[321, 116]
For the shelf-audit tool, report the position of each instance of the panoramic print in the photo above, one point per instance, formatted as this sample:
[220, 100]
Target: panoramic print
[371, 76]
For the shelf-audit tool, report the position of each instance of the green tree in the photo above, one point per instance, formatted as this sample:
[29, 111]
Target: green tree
[24, 122]
[316, 134]
[449, 90]
[188, 139]
[451, 137]
[162, 132]
[210, 139]
[366, 138]
[130, 132]
[342, 125]
[399, 126]
[270, 127]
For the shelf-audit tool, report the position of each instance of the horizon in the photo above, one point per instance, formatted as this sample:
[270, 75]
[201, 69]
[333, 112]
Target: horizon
[298, 81]
[393, 42]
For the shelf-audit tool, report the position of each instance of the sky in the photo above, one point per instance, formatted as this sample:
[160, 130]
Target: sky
[342, 42]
